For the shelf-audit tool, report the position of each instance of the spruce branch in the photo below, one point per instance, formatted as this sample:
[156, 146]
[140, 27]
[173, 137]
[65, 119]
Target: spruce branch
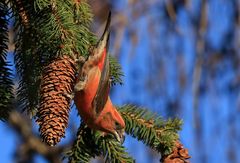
[74, 38]
[152, 130]
[50, 32]
[116, 72]
[113, 151]
[84, 147]
[90, 144]
[29, 53]
[46, 30]
[6, 83]
[155, 132]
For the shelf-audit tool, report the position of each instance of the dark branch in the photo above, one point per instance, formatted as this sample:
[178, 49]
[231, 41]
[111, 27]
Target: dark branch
[31, 143]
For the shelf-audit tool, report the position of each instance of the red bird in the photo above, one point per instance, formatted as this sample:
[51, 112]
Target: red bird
[92, 91]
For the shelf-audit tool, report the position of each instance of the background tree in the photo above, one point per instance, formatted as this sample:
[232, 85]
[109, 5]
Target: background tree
[189, 66]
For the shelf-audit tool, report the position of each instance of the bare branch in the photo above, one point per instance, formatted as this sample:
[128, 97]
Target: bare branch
[31, 143]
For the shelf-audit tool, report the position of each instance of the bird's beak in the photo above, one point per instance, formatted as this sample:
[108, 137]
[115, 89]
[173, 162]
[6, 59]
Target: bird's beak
[119, 135]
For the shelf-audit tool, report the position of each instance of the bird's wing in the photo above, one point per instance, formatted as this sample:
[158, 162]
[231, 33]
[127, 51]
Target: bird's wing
[102, 93]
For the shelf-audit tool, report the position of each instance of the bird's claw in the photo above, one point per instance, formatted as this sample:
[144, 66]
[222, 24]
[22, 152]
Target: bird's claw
[80, 85]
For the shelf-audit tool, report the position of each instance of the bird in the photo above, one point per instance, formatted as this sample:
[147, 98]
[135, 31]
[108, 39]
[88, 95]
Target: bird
[91, 91]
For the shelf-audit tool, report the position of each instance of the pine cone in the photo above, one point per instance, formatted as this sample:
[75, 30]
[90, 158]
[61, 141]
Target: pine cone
[57, 82]
[178, 155]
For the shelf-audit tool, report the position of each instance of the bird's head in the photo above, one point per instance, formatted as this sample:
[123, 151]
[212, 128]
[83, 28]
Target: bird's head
[111, 122]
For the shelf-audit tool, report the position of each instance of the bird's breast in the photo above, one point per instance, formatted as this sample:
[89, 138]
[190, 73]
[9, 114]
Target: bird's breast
[83, 99]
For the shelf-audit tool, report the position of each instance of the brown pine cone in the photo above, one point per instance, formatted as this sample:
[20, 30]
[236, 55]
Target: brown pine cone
[178, 155]
[57, 82]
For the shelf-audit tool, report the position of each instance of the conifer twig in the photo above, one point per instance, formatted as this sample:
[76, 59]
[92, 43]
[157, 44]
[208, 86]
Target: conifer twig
[90, 144]
[152, 130]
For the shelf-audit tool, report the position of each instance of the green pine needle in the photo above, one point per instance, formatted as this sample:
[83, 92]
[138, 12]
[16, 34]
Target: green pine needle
[6, 83]
[90, 144]
[84, 147]
[151, 129]
[116, 72]
[112, 150]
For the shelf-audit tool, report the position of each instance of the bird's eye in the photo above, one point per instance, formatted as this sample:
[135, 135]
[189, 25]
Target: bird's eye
[117, 125]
